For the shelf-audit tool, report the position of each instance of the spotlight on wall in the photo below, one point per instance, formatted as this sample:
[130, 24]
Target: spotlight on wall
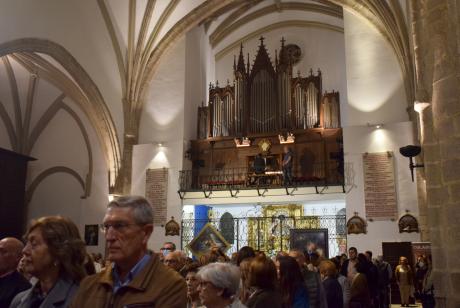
[376, 126]
[411, 151]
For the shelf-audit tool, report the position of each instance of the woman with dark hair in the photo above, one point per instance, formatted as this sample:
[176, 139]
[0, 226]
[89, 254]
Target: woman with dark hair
[55, 255]
[293, 291]
[243, 253]
[262, 281]
[245, 289]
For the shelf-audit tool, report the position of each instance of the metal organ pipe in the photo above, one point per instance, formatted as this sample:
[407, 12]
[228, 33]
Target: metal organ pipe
[300, 116]
[312, 105]
[327, 113]
[287, 102]
[334, 113]
[219, 117]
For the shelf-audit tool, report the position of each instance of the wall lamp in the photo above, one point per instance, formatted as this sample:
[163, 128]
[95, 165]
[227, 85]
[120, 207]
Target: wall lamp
[411, 151]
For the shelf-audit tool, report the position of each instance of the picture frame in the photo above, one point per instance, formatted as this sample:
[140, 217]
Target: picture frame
[91, 235]
[301, 238]
[207, 239]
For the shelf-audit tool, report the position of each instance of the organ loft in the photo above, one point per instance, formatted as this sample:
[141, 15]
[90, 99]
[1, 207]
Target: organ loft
[266, 109]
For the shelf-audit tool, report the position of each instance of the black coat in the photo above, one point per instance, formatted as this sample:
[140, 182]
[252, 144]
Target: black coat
[264, 299]
[11, 285]
[334, 293]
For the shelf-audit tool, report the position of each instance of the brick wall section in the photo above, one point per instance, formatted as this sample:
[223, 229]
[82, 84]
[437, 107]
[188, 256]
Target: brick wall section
[437, 23]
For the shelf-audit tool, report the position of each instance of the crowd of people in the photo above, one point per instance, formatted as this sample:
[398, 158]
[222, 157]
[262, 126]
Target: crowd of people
[53, 269]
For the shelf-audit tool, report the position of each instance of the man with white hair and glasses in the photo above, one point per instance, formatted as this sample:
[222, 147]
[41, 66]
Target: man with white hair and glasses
[136, 277]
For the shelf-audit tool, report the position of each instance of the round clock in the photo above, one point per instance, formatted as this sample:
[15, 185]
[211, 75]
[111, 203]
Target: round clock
[293, 53]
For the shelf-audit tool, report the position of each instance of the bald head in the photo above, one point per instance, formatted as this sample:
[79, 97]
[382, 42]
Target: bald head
[10, 254]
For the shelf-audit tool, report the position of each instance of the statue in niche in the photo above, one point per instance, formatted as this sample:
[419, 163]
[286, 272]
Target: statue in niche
[408, 223]
[172, 227]
[356, 225]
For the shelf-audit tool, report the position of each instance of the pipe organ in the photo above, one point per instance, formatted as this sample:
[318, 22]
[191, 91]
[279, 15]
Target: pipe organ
[266, 99]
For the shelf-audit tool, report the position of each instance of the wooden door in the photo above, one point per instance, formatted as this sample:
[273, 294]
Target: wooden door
[391, 253]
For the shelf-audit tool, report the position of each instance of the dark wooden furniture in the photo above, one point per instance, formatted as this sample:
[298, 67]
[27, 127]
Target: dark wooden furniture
[13, 212]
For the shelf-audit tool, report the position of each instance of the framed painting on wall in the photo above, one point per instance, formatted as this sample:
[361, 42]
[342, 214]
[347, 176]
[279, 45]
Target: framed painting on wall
[207, 239]
[301, 238]
[91, 235]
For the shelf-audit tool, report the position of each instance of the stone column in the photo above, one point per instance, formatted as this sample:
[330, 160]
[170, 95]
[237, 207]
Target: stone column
[437, 23]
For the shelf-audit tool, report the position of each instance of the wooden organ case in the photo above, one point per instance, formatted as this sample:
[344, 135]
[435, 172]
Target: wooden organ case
[266, 101]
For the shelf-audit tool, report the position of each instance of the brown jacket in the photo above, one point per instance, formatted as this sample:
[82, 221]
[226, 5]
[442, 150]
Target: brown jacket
[155, 286]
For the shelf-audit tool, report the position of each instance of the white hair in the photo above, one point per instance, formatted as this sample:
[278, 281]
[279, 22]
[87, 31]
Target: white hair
[222, 275]
[142, 210]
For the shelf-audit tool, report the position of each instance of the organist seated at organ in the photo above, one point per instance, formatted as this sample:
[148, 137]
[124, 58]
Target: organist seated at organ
[264, 170]
[259, 164]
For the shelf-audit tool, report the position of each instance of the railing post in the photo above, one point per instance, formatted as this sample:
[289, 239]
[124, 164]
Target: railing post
[258, 233]
[181, 234]
[237, 234]
[281, 234]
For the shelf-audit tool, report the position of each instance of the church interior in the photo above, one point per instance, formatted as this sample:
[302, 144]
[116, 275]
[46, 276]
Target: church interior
[264, 120]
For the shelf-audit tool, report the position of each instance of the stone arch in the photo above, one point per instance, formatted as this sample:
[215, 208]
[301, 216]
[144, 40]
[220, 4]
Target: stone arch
[91, 102]
[44, 174]
[43, 123]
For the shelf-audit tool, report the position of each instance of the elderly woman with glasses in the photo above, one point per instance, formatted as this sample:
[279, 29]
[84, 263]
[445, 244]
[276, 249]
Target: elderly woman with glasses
[55, 255]
[219, 285]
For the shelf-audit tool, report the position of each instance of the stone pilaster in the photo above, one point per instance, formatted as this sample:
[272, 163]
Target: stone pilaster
[437, 24]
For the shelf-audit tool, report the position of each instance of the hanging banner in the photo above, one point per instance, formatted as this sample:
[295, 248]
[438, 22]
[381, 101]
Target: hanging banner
[156, 191]
[379, 186]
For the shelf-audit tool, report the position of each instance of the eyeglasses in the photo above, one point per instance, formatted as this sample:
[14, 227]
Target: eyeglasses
[117, 226]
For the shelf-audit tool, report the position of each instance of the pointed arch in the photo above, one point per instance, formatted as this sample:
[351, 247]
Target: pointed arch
[50, 171]
[90, 100]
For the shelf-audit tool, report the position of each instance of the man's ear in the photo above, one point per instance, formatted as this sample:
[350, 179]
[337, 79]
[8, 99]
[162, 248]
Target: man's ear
[148, 229]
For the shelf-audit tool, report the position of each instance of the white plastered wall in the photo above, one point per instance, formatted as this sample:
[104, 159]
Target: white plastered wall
[78, 26]
[375, 95]
[359, 140]
[163, 121]
[61, 143]
[374, 80]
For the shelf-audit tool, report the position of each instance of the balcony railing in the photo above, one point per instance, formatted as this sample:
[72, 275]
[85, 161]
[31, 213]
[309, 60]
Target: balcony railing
[319, 174]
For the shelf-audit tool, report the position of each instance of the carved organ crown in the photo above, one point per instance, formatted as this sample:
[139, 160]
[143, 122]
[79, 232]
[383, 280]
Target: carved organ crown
[267, 99]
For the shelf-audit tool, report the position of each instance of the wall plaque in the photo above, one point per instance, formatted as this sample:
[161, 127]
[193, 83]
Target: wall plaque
[379, 186]
[156, 191]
